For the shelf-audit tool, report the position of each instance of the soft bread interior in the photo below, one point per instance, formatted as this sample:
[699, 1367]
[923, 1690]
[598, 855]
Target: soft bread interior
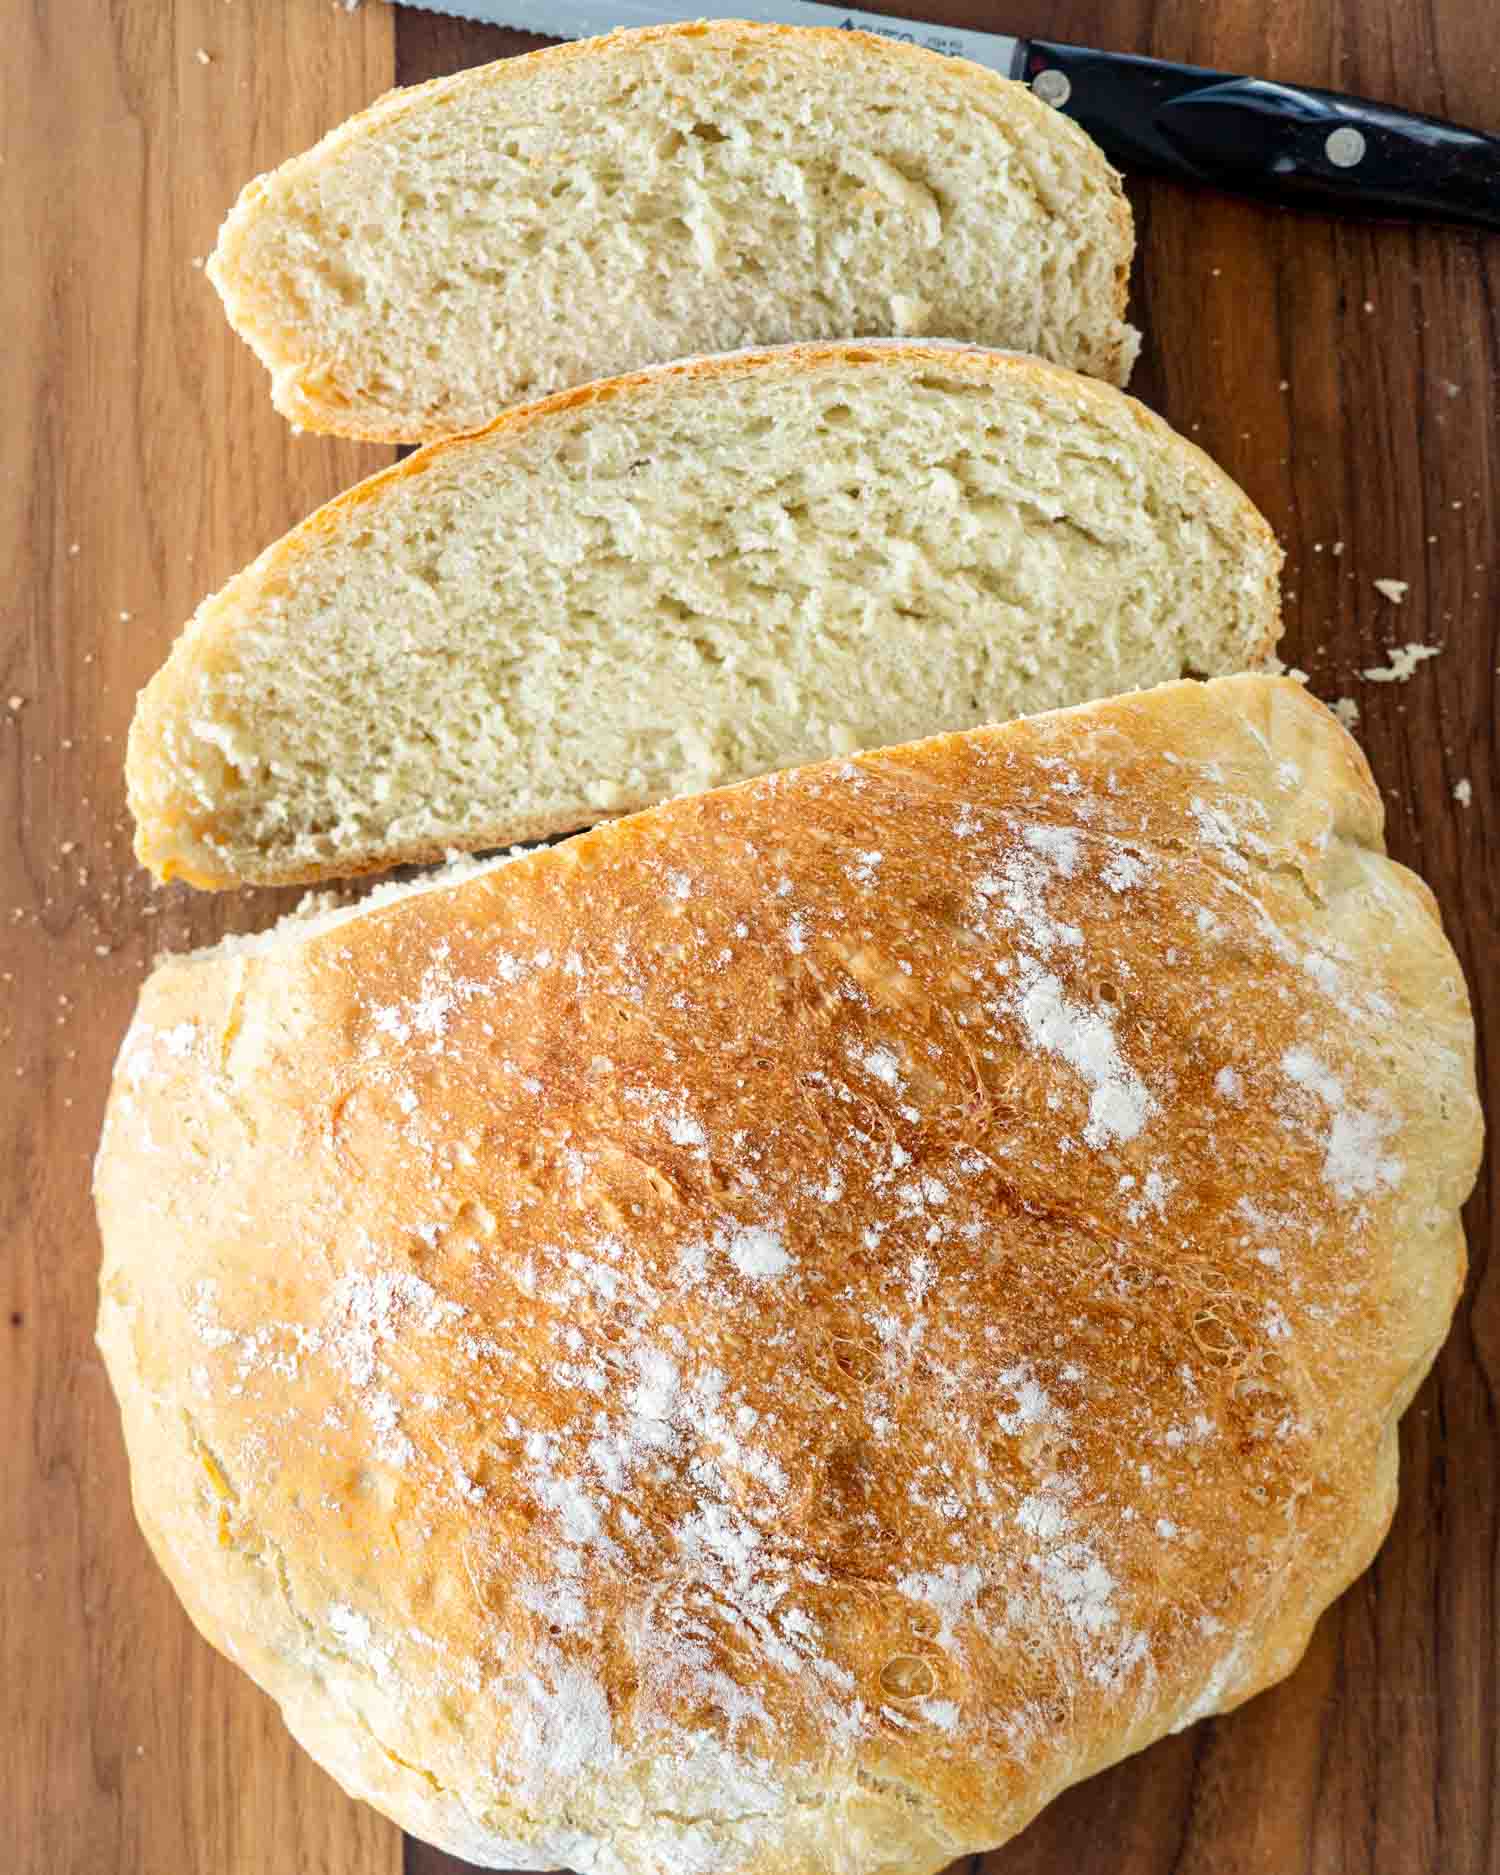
[540, 223]
[685, 580]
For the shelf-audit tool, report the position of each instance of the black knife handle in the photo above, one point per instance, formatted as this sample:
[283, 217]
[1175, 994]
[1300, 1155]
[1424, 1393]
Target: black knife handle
[1319, 149]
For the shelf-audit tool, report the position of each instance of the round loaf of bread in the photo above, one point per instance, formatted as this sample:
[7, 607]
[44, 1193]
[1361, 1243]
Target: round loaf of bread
[783, 1331]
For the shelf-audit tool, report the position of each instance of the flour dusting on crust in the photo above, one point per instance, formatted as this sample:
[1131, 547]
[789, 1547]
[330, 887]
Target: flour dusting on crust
[732, 1325]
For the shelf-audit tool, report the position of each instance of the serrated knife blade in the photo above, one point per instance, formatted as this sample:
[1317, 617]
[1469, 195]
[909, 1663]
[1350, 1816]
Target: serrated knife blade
[582, 19]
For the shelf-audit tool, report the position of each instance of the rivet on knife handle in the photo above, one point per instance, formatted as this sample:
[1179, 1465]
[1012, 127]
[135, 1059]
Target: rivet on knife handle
[1316, 149]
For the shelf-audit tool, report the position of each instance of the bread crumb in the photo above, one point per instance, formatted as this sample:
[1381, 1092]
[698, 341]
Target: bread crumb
[124, 618]
[1463, 792]
[1276, 668]
[1393, 589]
[1404, 660]
[1346, 710]
[74, 549]
[13, 704]
[1336, 549]
[203, 58]
[1369, 305]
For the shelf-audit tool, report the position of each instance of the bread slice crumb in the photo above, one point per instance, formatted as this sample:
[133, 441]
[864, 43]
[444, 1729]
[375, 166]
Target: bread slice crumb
[1347, 711]
[702, 665]
[1393, 589]
[1463, 792]
[697, 187]
[1404, 660]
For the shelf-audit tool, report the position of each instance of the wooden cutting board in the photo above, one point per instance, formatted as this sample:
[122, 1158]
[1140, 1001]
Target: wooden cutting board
[1346, 375]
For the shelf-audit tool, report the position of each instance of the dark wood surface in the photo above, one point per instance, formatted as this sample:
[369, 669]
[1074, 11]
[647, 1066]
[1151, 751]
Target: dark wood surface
[1347, 375]
[141, 464]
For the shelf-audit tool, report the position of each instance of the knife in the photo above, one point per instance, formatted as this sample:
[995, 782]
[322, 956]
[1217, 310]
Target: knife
[1290, 143]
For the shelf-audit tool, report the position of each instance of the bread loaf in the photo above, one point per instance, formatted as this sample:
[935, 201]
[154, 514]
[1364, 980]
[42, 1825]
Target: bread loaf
[590, 209]
[779, 1333]
[678, 579]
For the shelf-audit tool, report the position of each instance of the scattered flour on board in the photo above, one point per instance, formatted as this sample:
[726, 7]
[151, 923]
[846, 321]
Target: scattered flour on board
[1404, 660]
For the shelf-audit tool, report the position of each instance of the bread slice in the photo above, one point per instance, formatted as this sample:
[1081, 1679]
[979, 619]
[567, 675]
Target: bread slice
[590, 209]
[776, 1335]
[680, 578]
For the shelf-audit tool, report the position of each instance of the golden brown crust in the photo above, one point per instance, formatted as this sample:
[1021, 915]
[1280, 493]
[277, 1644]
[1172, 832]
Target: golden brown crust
[176, 839]
[296, 385]
[781, 1332]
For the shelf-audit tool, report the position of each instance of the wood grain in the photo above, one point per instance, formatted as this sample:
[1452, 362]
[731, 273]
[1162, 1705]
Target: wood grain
[139, 430]
[142, 464]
